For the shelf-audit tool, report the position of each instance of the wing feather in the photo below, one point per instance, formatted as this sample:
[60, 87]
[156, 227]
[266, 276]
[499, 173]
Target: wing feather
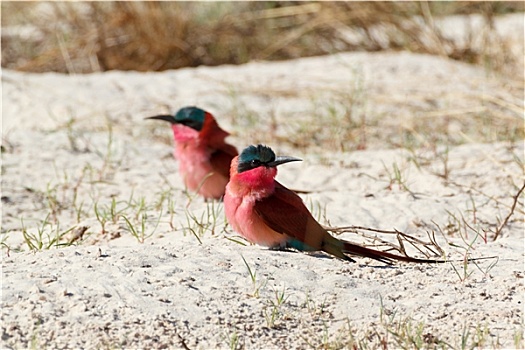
[285, 212]
[221, 159]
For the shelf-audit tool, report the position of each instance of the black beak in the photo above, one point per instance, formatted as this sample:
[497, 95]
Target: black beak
[281, 160]
[165, 117]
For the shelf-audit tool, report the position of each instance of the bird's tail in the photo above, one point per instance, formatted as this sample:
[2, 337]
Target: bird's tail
[385, 257]
[342, 248]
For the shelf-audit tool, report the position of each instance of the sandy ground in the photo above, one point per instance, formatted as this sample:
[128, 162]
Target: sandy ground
[73, 145]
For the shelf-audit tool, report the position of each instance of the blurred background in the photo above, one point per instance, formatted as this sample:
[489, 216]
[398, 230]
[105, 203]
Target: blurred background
[83, 37]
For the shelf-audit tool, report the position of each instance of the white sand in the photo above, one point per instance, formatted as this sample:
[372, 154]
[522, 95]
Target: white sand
[110, 291]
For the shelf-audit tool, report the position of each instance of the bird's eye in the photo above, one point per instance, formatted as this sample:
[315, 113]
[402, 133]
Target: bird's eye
[255, 163]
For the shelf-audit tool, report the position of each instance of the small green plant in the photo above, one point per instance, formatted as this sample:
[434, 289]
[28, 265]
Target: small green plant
[397, 177]
[421, 161]
[164, 199]
[518, 339]
[232, 339]
[171, 210]
[464, 273]
[165, 195]
[74, 136]
[35, 342]
[253, 277]
[236, 240]
[140, 234]
[3, 243]
[110, 212]
[46, 236]
[315, 309]
[101, 217]
[208, 220]
[274, 314]
[459, 225]
[407, 334]
[193, 226]
[402, 332]
[108, 156]
[79, 211]
[139, 205]
[476, 340]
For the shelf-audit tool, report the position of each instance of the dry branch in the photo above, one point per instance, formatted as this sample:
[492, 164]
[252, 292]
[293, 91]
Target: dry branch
[428, 248]
[506, 220]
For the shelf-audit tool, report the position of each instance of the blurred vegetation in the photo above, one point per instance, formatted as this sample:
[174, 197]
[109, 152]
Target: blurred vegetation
[81, 37]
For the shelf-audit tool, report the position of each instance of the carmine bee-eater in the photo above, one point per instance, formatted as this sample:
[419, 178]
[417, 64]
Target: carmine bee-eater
[267, 213]
[204, 157]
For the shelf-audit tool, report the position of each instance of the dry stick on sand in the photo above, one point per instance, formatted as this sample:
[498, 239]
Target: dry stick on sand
[489, 197]
[498, 230]
[402, 237]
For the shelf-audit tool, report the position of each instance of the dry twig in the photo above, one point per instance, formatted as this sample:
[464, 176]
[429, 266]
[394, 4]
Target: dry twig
[515, 201]
[427, 248]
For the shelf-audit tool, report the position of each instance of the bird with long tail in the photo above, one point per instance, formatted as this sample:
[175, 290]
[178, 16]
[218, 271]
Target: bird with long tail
[204, 156]
[266, 213]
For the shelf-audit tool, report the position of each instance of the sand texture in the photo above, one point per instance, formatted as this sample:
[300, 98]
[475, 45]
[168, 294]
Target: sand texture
[160, 268]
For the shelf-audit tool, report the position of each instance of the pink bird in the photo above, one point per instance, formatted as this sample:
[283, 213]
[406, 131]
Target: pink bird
[267, 213]
[204, 157]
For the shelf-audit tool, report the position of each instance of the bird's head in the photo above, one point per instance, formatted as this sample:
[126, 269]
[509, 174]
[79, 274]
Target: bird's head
[192, 117]
[253, 157]
[254, 170]
[193, 125]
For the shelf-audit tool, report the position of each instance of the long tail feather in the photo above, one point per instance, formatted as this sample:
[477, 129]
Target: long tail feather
[384, 257]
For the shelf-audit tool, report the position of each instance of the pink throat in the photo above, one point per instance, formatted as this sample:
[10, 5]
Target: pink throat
[184, 134]
[259, 181]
